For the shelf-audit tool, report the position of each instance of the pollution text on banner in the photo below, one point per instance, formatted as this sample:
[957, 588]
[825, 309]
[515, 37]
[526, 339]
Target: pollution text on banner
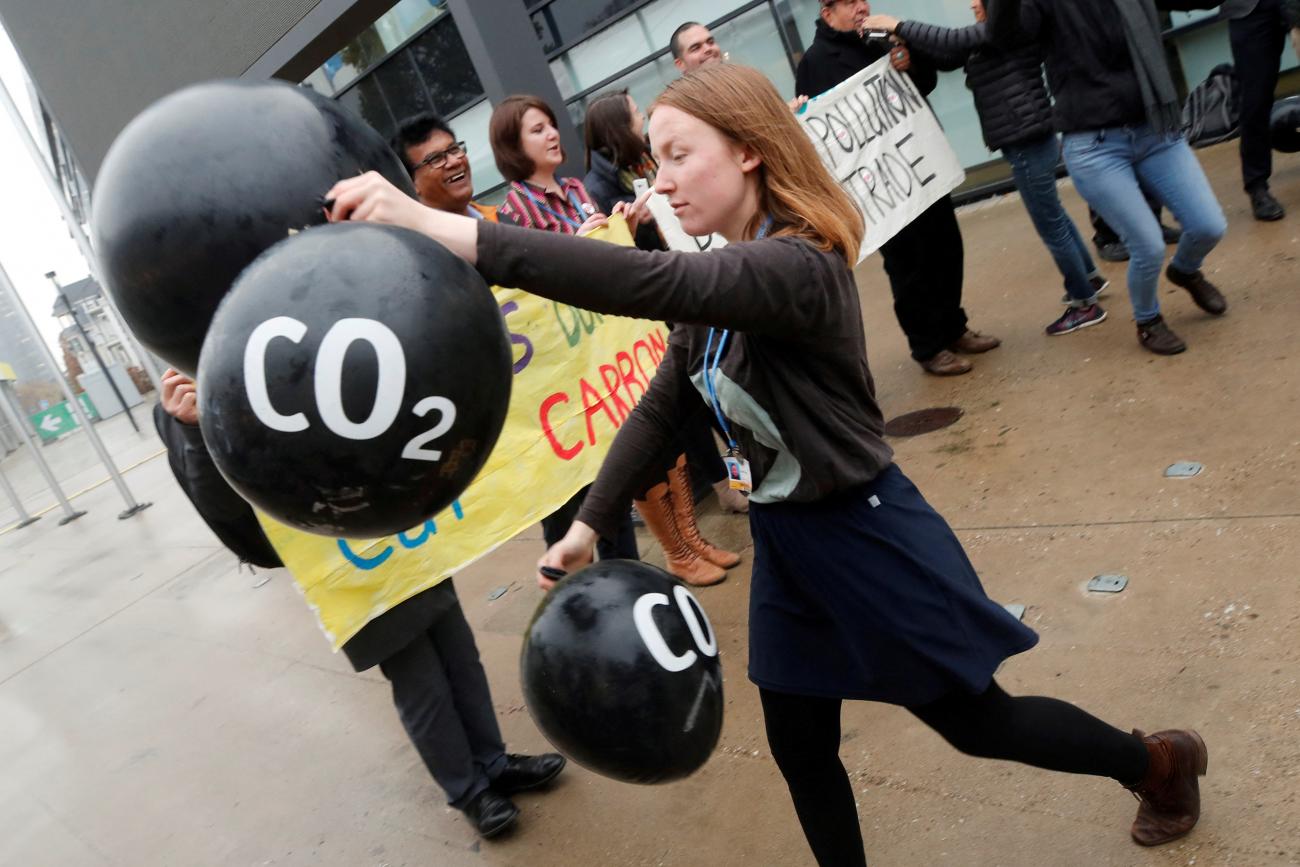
[881, 141]
[577, 376]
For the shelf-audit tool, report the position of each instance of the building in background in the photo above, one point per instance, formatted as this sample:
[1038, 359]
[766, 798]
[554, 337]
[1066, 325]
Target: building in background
[97, 65]
[32, 378]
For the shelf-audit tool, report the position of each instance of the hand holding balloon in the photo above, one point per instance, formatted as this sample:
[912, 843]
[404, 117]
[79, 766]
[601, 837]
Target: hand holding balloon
[569, 554]
[371, 198]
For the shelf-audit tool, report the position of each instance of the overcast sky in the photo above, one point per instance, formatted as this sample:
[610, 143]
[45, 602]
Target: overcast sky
[33, 238]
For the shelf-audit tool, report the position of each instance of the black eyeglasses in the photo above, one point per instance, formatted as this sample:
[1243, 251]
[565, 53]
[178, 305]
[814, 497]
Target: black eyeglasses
[438, 159]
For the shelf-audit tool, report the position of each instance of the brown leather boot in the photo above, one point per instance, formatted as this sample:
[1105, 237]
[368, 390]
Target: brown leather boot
[1170, 795]
[680, 558]
[679, 482]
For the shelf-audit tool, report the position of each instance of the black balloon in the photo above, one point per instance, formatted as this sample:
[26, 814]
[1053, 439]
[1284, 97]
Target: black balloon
[1286, 125]
[204, 180]
[354, 380]
[620, 672]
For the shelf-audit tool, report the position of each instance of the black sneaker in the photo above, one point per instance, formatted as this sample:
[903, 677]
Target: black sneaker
[1264, 206]
[1206, 295]
[1115, 251]
[1155, 336]
[1099, 286]
[1172, 234]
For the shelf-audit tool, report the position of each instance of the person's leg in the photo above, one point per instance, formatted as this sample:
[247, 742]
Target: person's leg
[1043, 732]
[1257, 41]
[1161, 769]
[904, 258]
[556, 524]
[623, 546]
[948, 256]
[453, 641]
[803, 733]
[1101, 164]
[427, 708]
[1033, 167]
[1171, 171]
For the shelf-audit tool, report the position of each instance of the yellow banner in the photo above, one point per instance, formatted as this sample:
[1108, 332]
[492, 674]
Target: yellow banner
[577, 375]
[7, 373]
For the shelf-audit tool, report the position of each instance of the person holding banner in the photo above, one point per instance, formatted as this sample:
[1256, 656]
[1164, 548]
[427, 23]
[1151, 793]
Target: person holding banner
[1119, 111]
[924, 260]
[1015, 112]
[525, 141]
[860, 590]
[423, 646]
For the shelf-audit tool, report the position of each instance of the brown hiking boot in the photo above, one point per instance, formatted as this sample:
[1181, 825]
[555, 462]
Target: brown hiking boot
[1170, 795]
[1206, 295]
[946, 364]
[680, 559]
[683, 500]
[1157, 337]
[973, 343]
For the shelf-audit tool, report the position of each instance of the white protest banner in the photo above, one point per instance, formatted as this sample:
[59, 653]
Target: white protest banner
[881, 141]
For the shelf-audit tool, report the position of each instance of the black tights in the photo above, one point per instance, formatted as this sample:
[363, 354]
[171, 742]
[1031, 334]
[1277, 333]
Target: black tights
[804, 735]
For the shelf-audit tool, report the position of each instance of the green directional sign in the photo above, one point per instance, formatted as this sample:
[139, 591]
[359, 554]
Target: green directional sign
[54, 422]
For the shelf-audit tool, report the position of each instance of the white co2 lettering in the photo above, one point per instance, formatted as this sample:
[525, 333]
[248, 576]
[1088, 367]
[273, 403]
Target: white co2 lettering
[390, 389]
[703, 634]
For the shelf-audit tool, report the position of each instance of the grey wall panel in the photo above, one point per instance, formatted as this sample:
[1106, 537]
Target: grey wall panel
[97, 64]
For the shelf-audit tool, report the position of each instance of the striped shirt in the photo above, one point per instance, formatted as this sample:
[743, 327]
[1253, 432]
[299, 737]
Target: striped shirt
[524, 210]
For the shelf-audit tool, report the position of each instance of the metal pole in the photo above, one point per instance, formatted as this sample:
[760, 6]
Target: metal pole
[23, 518]
[6, 403]
[94, 350]
[74, 228]
[132, 507]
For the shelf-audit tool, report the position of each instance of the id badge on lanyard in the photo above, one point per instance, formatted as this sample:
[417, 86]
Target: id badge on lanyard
[739, 476]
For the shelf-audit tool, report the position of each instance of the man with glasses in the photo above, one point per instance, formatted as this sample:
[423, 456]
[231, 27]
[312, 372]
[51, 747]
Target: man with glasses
[439, 166]
[924, 260]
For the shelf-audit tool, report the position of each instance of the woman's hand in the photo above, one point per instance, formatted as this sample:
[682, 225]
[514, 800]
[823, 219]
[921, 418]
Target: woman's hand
[179, 397]
[899, 56]
[636, 213]
[592, 223]
[575, 550]
[372, 198]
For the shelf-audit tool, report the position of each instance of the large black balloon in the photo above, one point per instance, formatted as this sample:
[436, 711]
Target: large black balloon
[1286, 125]
[204, 180]
[620, 672]
[354, 380]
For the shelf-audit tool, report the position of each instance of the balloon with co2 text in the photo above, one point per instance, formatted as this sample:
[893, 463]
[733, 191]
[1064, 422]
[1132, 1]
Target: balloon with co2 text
[354, 380]
[620, 671]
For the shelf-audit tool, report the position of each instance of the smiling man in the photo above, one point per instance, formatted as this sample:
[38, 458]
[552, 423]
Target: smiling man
[693, 46]
[439, 166]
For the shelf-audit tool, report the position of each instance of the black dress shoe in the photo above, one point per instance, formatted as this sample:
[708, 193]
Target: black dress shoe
[490, 813]
[1264, 206]
[528, 772]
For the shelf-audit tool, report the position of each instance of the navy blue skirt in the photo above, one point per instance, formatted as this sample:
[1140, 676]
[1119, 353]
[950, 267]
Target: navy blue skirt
[868, 595]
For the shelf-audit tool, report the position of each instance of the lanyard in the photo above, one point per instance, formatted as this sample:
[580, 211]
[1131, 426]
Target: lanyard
[710, 370]
[542, 206]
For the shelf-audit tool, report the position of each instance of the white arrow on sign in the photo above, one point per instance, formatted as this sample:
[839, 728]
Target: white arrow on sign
[51, 424]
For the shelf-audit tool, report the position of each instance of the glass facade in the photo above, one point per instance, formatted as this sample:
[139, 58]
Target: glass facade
[413, 60]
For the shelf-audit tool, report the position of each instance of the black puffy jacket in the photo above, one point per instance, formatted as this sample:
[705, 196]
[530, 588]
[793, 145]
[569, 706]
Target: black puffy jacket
[835, 56]
[1010, 93]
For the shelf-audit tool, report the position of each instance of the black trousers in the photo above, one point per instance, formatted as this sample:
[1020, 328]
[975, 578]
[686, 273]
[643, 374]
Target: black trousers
[925, 263]
[804, 735]
[1257, 43]
[442, 697]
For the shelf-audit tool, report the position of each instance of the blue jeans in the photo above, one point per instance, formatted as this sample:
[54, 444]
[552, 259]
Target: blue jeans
[1033, 166]
[1107, 164]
